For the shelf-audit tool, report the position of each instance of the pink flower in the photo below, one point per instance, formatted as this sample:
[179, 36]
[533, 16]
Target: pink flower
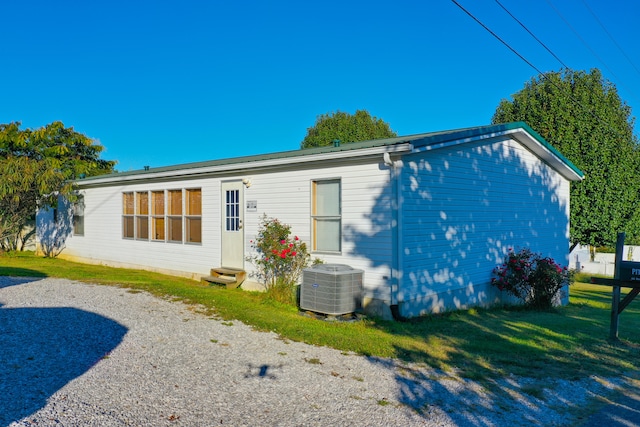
[293, 253]
[282, 242]
[296, 238]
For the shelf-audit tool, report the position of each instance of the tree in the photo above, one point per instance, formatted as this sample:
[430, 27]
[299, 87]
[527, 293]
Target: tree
[38, 165]
[346, 128]
[582, 116]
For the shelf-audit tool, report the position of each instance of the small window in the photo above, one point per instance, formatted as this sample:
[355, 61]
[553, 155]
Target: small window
[157, 215]
[127, 215]
[194, 215]
[326, 215]
[78, 216]
[174, 217]
[142, 215]
[232, 210]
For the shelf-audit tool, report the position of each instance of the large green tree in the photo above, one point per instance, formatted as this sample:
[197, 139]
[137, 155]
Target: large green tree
[38, 165]
[581, 114]
[346, 128]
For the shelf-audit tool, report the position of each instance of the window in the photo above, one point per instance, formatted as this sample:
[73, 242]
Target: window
[142, 215]
[165, 216]
[174, 217]
[157, 215]
[127, 215]
[232, 210]
[78, 216]
[326, 215]
[193, 216]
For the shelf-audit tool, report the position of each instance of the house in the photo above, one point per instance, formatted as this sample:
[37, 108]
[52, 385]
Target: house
[427, 217]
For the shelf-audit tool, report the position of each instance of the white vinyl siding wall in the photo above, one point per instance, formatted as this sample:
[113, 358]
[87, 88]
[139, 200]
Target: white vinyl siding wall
[103, 239]
[285, 195]
[459, 210]
[366, 234]
[464, 207]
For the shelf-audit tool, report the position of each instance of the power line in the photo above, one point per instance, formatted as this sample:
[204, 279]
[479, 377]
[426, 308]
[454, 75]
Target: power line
[610, 36]
[532, 35]
[586, 44]
[497, 36]
[542, 75]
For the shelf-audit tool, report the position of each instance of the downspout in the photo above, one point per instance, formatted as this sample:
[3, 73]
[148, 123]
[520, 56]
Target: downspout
[396, 234]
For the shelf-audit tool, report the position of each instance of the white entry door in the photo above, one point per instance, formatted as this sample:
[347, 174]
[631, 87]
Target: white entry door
[232, 225]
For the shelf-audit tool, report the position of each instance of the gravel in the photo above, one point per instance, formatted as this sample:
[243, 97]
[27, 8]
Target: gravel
[76, 354]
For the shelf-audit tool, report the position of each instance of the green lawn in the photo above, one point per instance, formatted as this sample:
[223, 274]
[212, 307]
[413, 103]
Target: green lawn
[569, 342]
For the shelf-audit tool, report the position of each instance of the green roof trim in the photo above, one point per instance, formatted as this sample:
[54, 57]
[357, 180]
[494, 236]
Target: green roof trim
[543, 142]
[475, 132]
[419, 140]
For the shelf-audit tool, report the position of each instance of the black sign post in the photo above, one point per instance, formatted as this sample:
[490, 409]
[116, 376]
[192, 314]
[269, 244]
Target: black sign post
[626, 275]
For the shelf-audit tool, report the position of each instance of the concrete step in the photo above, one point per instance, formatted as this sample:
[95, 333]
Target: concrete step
[230, 277]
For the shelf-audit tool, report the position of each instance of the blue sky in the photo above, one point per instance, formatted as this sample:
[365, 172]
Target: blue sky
[161, 83]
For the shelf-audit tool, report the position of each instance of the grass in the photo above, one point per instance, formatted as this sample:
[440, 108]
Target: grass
[569, 342]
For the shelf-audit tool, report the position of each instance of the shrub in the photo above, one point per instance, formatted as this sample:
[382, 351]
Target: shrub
[535, 280]
[279, 259]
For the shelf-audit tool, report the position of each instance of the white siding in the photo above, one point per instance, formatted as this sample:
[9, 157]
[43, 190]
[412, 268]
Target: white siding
[285, 195]
[103, 241]
[366, 238]
[460, 210]
[463, 208]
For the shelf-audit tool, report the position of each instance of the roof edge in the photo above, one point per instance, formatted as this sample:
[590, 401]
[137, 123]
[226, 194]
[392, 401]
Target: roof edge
[545, 143]
[354, 149]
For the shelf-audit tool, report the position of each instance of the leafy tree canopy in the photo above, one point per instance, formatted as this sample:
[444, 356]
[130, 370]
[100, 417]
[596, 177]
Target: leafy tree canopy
[581, 114]
[37, 165]
[346, 128]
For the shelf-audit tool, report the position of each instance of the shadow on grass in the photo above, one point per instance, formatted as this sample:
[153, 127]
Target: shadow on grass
[502, 360]
[43, 349]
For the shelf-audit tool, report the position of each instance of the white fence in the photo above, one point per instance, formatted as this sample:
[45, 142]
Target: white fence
[580, 259]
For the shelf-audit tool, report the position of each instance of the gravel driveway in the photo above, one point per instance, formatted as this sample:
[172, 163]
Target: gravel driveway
[74, 354]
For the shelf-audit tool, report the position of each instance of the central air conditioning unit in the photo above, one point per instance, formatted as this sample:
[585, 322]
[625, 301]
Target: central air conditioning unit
[333, 289]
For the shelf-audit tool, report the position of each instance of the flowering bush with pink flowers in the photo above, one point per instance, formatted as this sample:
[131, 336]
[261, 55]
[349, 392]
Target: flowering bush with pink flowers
[535, 280]
[279, 258]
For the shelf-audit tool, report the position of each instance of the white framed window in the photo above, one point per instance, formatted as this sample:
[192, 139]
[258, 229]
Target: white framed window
[78, 216]
[142, 215]
[174, 216]
[157, 215]
[232, 210]
[128, 215]
[326, 215]
[193, 217]
[164, 216]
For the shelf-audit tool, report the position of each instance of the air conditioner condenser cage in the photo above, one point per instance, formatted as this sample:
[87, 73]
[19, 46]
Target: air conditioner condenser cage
[332, 289]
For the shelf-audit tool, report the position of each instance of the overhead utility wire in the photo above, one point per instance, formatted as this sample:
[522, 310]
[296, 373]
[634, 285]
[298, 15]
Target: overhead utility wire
[610, 36]
[587, 45]
[542, 75]
[532, 35]
[497, 36]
